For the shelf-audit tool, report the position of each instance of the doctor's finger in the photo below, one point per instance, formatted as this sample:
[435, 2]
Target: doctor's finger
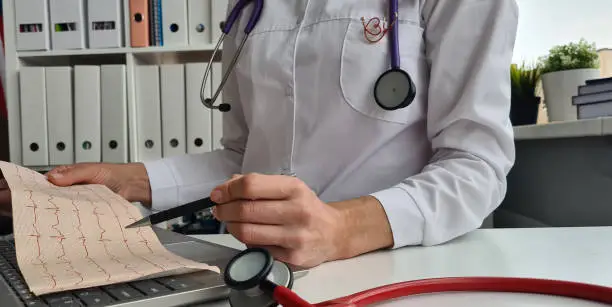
[256, 211]
[257, 234]
[279, 253]
[257, 186]
[287, 255]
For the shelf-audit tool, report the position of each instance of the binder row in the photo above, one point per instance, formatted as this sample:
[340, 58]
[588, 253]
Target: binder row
[171, 119]
[97, 24]
[68, 24]
[73, 114]
[175, 22]
[79, 114]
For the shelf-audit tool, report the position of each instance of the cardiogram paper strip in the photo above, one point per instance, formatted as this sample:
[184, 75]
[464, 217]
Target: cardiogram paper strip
[74, 237]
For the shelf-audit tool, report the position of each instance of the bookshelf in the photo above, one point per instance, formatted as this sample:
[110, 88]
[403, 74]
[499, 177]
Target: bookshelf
[131, 57]
[123, 50]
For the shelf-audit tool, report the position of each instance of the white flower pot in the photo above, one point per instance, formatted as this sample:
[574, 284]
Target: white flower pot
[559, 87]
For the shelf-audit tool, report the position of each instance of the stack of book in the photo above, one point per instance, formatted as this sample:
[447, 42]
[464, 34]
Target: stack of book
[594, 99]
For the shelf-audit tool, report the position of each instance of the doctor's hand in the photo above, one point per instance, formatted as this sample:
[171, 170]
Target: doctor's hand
[281, 214]
[5, 199]
[129, 180]
[6, 222]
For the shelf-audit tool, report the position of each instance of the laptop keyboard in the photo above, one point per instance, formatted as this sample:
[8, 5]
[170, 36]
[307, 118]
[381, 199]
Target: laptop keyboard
[99, 296]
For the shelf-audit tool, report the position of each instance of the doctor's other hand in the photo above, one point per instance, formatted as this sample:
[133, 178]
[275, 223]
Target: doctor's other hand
[281, 214]
[5, 199]
[129, 180]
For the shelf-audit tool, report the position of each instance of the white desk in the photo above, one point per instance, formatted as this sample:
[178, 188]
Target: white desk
[575, 254]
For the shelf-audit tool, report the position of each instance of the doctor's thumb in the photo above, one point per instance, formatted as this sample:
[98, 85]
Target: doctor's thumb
[75, 174]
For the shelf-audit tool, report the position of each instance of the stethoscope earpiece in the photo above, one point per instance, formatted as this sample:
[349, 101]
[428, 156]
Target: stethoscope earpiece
[225, 107]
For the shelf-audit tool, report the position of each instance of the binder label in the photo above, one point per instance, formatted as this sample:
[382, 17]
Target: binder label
[103, 25]
[65, 27]
[31, 27]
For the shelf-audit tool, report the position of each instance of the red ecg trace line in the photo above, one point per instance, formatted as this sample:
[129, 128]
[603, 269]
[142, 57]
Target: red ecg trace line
[139, 232]
[125, 240]
[42, 263]
[84, 239]
[60, 236]
[104, 240]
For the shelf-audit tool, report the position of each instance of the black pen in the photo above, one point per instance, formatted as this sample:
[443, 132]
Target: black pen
[179, 211]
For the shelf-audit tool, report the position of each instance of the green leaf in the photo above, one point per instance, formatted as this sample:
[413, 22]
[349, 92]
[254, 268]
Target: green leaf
[570, 56]
[524, 80]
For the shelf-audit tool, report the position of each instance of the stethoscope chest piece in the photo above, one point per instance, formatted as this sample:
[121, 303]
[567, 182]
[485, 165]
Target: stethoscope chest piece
[394, 90]
[246, 271]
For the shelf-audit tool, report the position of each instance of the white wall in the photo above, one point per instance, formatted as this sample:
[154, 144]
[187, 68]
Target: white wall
[605, 62]
[546, 23]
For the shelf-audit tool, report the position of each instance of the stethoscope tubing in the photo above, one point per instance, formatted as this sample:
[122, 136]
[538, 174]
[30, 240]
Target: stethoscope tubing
[283, 294]
[576, 290]
[394, 41]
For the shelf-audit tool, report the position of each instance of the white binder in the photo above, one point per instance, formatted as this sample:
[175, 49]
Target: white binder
[87, 118]
[114, 113]
[67, 24]
[105, 23]
[148, 116]
[174, 19]
[199, 22]
[218, 16]
[199, 121]
[32, 25]
[217, 116]
[172, 77]
[33, 116]
[58, 81]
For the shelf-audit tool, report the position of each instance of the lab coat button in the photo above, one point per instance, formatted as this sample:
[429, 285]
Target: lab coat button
[289, 91]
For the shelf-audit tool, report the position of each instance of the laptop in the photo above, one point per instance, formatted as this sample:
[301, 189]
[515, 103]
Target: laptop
[179, 290]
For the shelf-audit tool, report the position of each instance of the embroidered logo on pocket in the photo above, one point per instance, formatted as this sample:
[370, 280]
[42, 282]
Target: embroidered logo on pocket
[373, 31]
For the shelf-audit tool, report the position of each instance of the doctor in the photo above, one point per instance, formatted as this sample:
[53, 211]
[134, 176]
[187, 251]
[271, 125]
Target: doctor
[312, 167]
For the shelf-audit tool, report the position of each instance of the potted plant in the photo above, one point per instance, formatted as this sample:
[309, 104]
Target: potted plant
[525, 102]
[564, 69]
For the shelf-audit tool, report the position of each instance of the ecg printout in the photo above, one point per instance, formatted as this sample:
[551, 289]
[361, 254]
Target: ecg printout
[74, 237]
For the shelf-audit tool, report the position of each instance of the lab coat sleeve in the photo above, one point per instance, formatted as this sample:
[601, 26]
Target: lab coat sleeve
[469, 46]
[181, 179]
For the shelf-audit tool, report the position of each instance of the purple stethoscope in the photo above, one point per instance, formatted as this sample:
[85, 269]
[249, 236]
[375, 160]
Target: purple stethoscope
[393, 90]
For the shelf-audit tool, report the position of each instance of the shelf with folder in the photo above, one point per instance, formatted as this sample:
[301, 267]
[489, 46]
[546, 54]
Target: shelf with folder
[37, 56]
[105, 59]
[71, 52]
[125, 50]
[173, 49]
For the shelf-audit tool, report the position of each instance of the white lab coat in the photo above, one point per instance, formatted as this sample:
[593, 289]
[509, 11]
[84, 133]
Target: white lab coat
[302, 102]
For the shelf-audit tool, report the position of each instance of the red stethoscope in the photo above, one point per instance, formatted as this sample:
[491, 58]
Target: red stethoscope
[257, 280]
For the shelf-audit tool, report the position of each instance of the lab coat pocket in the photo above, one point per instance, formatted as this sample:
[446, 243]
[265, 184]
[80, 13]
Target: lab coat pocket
[363, 62]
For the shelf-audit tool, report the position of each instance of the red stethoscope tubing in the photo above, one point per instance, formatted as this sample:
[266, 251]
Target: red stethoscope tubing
[288, 298]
